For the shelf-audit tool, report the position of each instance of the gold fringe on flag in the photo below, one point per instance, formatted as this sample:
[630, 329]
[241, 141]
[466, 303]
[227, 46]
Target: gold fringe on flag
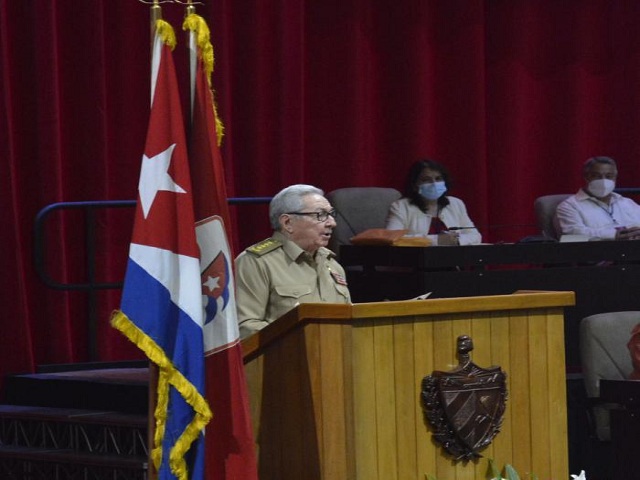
[168, 375]
[166, 33]
[195, 23]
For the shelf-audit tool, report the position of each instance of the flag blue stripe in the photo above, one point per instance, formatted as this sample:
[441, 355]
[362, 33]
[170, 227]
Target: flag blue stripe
[148, 304]
[180, 415]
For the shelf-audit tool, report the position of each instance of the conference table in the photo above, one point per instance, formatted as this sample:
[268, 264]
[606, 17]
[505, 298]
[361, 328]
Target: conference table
[603, 274]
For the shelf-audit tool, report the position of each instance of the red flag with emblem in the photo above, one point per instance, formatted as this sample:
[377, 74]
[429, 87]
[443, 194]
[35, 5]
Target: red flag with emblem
[228, 438]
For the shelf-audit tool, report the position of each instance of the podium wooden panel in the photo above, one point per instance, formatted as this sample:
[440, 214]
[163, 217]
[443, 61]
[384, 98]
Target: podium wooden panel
[335, 389]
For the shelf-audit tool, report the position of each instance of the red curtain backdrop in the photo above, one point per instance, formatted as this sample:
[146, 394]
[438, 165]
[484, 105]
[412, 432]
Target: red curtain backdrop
[511, 95]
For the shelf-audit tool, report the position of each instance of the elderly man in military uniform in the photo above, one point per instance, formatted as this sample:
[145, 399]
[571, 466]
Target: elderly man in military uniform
[293, 266]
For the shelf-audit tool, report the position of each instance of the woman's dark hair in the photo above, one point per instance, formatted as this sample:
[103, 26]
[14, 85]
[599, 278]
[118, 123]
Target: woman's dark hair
[412, 179]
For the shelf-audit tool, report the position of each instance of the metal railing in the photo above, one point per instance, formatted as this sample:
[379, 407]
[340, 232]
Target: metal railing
[91, 285]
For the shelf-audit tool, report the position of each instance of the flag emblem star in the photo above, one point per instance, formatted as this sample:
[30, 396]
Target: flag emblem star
[154, 176]
[211, 283]
[215, 287]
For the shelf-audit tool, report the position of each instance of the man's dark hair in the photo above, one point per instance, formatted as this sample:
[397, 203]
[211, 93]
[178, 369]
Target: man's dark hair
[593, 160]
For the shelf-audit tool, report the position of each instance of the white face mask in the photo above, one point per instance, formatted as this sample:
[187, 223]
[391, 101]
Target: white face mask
[432, 191]
[601, 187]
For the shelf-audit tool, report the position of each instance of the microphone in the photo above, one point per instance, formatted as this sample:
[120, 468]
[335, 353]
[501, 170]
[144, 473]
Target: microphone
[460, 228]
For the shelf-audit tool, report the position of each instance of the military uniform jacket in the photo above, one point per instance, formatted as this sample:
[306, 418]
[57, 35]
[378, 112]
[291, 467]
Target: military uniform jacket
[276, 275]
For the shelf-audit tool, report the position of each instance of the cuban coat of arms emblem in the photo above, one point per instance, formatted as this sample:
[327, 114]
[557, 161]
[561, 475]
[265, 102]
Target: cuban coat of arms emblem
[465, 405]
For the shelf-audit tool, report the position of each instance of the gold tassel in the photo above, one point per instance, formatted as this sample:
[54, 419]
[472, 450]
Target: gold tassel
[168, 375]
[196, 24]
[160, 414]
[166, 33]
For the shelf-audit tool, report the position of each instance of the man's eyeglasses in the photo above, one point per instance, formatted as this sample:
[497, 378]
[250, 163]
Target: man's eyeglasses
[320, 216]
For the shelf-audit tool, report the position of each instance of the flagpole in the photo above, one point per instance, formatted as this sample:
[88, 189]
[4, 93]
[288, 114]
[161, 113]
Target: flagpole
[191, 59]
[156, 14]
[191, 8]
[152, 472]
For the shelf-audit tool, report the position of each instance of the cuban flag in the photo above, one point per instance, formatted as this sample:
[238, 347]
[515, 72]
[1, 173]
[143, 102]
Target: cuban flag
[228, 437]
[162, 309]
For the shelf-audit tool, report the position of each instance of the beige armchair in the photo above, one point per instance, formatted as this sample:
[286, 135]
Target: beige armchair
[359, 209]
[545, 208]
[604, 355]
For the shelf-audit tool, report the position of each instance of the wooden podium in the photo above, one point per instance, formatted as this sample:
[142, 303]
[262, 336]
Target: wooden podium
[335, 389]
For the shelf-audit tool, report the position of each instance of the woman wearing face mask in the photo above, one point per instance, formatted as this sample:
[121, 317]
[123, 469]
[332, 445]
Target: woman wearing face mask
[596, 210]
[426, 210]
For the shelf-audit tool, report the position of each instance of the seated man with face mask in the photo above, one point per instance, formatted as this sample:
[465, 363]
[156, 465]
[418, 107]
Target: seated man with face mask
[596, 210]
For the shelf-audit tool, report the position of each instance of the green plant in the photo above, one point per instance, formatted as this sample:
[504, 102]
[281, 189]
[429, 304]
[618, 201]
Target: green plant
[509, 473]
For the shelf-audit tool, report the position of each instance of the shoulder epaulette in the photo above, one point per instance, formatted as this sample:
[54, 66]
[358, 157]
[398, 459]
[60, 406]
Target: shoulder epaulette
[264, 246]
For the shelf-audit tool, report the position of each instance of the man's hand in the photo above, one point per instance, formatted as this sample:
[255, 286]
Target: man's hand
[628, 233]
[451, 238]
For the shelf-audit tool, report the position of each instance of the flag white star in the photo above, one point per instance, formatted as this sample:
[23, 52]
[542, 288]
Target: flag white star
[212, 283]
[154, 177]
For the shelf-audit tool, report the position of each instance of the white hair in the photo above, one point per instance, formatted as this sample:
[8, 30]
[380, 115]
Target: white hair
[289, 199]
